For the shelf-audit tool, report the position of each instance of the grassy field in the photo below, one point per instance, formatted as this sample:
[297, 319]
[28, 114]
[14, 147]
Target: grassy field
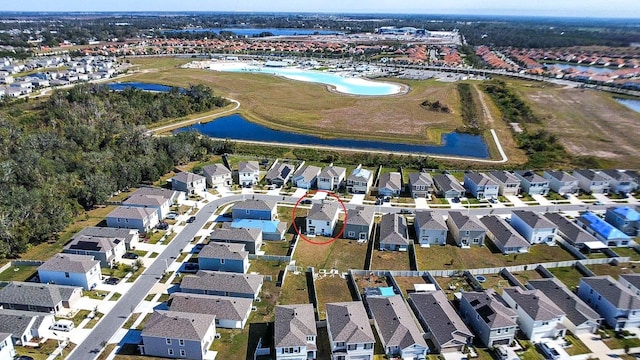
[341, 254]
[567, 275]
[44, 351]
[406, 283]
[19, 273]
[295, 290]
[329, 290]
[232, 343]
[390, 260]
[614, 271]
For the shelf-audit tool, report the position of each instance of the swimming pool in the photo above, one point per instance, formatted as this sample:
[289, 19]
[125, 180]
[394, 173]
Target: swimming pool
[341, 83]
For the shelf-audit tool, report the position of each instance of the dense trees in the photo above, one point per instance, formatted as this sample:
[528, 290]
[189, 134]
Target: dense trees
[468, 109]
[75, 149]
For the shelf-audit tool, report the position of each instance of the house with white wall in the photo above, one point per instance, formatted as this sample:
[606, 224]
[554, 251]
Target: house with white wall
[295, 332]
[71, 269]
[248, 173]
[430, 228]
[534, 227]
[322, 218]
[618, 305]
[350, 334]
[538, 317]
[331, 178]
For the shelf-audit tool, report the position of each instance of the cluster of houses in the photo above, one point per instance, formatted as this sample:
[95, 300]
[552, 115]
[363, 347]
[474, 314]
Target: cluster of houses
[75, 70]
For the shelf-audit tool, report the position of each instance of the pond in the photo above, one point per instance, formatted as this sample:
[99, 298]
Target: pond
[138, 85]
[581, 68]
[256, 31]
[630, 103]
[238, 128]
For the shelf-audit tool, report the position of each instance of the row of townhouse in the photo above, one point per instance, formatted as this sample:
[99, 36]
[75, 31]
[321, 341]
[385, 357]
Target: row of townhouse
[147, 207]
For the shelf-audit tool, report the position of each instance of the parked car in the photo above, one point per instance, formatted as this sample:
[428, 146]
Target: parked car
[112, 280]
[191, 219]
[130, 255]
[455, 200]
[378, 201]
[190, 267]
[306, 201]
[197, 248]
[172, 215]
[162, 226]
[406, 211]
[548, 351]
[227, 215]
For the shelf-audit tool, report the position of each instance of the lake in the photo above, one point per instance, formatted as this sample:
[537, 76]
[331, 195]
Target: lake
[583, 68]
[631, 104]
[256, 31]
[139, 85]
[238, 128]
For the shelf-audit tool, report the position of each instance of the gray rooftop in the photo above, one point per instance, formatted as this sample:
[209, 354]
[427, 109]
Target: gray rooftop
[530, 176]
[255, 204]
[349, 322]
[153, 191]
[618, 175]
[18, 322]
[187, 177]
[491, 308]
[441, 318]
[504, 177]
[146, 200]
[223, 281]
[178, 325]
[446, 182]
[248, 166]
[429, 220]
[236, 234]
[393, 229]
[307, 172]
[293, 324]
[391, 180]
[535, 304]
[35, 294]
[633, 279]
[421, 178]
[93, 243]
[591, 175]
[361, 215]
[279, 171]
[215, 250]
[480, 179]
[395, 324]
[503, 234]
[333, 171]
[576, 310]
[325, 211]
[561, 176]
[72, 263]
[464, 222]
[131, 212]
[568, 228]
[110, 233]
[533, 219]
[216, 170]
[614, 292]
[222, 307]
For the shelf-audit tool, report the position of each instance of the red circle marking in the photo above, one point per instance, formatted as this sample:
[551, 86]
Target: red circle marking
[295, 227]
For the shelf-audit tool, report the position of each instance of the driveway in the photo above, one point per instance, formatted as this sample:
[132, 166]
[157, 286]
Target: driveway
[515, 201]
[542, 200]
[574, 200]
[357, 199]
[320, 195]
[274, 192]
[421, 203]
[603, 198]
[299, 193]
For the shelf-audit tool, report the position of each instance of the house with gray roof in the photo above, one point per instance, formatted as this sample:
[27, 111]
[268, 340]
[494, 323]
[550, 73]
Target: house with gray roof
[106, 250]
[390, 184]
[572, 233]
[322, 218]
[431, 229]
[128, 236]
[332, 178]
[279, 174]
[133, 217]
[360, 223]
[592, 181]
[24, 326]
[248, 173]
[562, 182]
[7, 351]
[535, 228]
[620, 182]
[579, 317]
[532, 183]
[71, 269]
[448, 186]
[631, 282]
[222, 284]
[257, 209]
[503, 236]
[305, 177]
[480, 186]
[155, 198]
[420, 184]
[227, 257]
[295, 332]
[439, 319]
[396, 327]
[189, 182]
[251, 238]
[617, 304]
[230, 312]
[538, 316]
[625, 218]
[359, 181]
[350, 334]
[466, 230]
[178, 335]
[47, 298]
[492, 321]
[217, 175]
[508, 184]
[394, 233]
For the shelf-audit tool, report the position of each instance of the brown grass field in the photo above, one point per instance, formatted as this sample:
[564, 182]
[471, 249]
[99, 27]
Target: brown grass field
[390, 260]
[340, 254]
[330, 290]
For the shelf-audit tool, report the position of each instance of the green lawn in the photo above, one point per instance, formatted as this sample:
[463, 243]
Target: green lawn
[577, 346]
[91, 323]
[275, 247]
[615, 342]
[630, 252]
[567, 275]
[43, 352]
[613, 270]
[329, 290]
[19, 273]
[127, 324]
[232, 343]
[294, 290]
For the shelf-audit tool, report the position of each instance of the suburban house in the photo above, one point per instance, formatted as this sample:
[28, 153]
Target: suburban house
[227, 257]
[222, 284]
[71, 269]
[431, 229]
[493, 322]
[25, 326]
[271, 229]
[217, 175]
[398, 331]
[47, 298]
[248, 173]
[507, 240]
[250, 238]
[574, 234]
[128, 236]
[448, 186]
[420, 184]
[350, 334]
[508, 184]
[534, 227]
[178, 335]
[255, 209]
[466, 230]
[189, 182]
[631, 282]
[230, 312]
[620, 182]
[130, 217]
[331, 178]
[360, 181]
[618, 305]
[592, 181]
[532, 183]
[106, 250]
[481, 186]
[305, 177]
[394, 233]
[580, 318]
[295, 332]
[7, 351]
[322, 218]
[625, 218]
[390, 184]
[154, 198]
[538, 316]
[602, 230]
[562, 182]
[279, 174]
[359, 223]
[439, 319]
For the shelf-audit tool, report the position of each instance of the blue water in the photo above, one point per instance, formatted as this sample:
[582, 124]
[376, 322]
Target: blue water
[593, 69]
[631, 104]
[256, 31]
[237, 127]
[138, 85]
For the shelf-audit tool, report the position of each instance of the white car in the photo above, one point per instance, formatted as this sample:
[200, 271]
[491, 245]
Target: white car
[172, 216]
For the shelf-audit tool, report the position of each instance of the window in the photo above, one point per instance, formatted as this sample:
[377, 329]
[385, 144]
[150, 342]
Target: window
[66, 274]
[170, 351]
[247, 212]
[476, 240]
[368, 346]
[340, 344]
[181, 342]
[351, 233]
[352, 347]
[328, 223]
[168, 341]
[183, 353]
[545, 323]
[221, 261]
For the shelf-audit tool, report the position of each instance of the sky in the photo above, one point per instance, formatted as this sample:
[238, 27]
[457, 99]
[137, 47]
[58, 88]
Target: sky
[565, 8]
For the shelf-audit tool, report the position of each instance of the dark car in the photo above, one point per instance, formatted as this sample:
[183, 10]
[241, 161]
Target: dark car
[406, 211]
[548, 351]
[130, 255]
[227, 215]
[306, 201]
[191, 219]
[112, 281]
[162, 226]
[24, 357]
[378, 201]
[197, 248]
[191, 267]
